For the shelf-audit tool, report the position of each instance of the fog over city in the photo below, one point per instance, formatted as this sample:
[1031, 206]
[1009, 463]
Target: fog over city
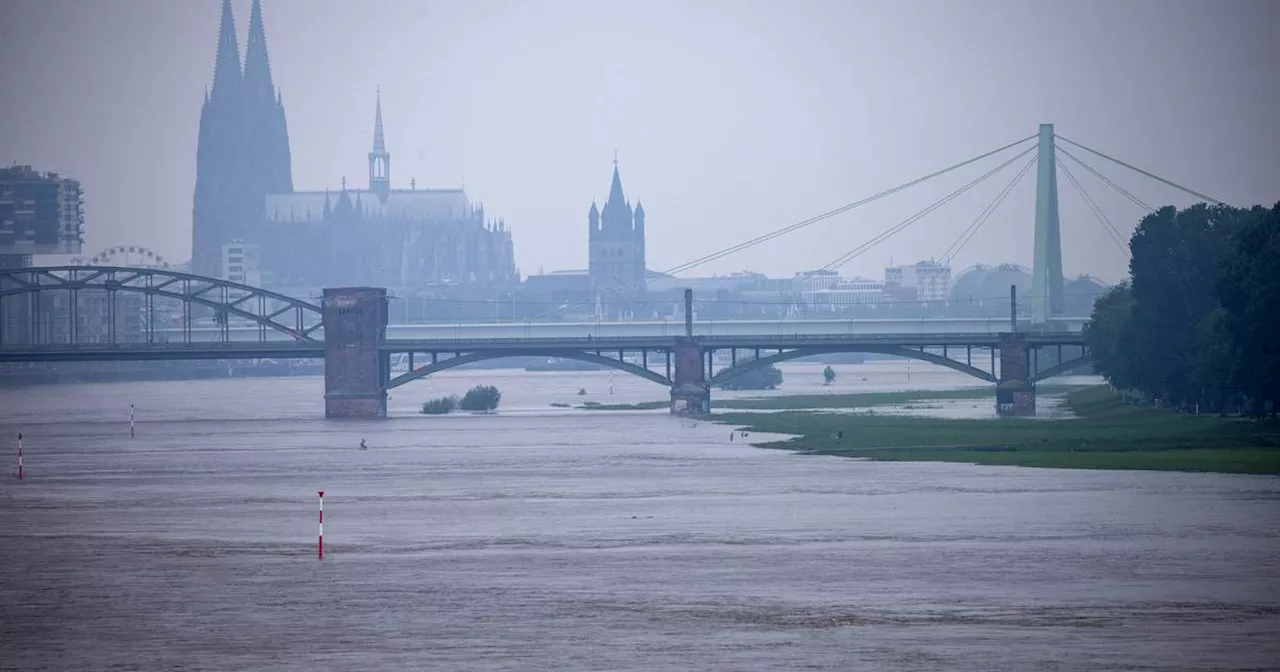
[639, 335]
[728, 119]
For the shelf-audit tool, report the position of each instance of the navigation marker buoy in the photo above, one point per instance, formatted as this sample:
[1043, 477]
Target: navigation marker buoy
[19, 456]
[320, 545]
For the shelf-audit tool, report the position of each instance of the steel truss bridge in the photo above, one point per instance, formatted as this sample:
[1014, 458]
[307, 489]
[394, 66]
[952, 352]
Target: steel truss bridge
[41, 320]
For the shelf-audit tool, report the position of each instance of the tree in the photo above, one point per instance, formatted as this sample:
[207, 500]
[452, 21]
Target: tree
[1104, 334]
[1213, 362]
[828, 376]
[1249, 287]
[1175, 263]
[1199, 323]
[757, 378]
[481, 398]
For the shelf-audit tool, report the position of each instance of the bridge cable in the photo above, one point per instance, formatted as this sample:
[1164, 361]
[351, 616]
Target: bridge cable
[1101, 216]
[1097, 210]
[885, 235]
[1153, 176]
[985, 215]
[1123, 192]
[694, 263]
[831, 213]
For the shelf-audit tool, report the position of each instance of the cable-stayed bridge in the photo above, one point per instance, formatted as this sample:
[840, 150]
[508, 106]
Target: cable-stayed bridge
[40, 320]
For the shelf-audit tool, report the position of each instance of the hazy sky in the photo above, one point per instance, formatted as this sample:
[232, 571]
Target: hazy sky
[731, 118]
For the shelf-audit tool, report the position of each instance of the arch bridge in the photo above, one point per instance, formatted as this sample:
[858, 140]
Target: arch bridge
[79, 313]
[721, 359]
[118, 304]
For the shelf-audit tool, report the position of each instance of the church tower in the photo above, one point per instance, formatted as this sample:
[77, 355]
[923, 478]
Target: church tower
[267, 131]
[243, 146]
[616, 255]
[379, 158]
[216, 156]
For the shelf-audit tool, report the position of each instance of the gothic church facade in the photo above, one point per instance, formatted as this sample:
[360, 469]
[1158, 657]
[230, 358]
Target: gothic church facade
[616, 260]
[378, 235]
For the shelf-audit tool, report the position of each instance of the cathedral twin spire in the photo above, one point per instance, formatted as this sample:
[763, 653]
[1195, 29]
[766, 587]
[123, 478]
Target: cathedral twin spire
[226, 66]
[229, 78]
[257, 65]
[243, 151]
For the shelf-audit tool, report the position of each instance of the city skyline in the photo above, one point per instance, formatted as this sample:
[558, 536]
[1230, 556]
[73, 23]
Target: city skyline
[762, 167]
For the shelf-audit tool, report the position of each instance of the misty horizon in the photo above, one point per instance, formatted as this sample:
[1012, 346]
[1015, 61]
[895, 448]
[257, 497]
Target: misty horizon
[728, 121]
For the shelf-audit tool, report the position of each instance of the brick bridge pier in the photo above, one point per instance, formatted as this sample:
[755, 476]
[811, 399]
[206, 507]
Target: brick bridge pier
[690, 391]
[355, 368]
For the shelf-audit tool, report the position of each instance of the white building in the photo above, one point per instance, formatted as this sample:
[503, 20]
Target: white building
[827, 291]
[240, 263]
[926, 282]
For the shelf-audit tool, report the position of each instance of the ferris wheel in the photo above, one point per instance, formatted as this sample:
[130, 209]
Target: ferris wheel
[132, 256]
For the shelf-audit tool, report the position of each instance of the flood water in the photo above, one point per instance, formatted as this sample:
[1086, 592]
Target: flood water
[546, 539]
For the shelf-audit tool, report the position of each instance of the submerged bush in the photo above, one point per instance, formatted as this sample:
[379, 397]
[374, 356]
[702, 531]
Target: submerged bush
[440, 406]
[481, 398]
[759, 378]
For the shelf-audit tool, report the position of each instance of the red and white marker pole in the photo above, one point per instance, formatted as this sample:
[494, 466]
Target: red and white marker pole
[131, 421]
[19, 456]
[320, 545]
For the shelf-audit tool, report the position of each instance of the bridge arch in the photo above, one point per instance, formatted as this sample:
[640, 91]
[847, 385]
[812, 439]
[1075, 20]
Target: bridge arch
[1063, 367]
[743, 367]
[577, 355]
[222, 296]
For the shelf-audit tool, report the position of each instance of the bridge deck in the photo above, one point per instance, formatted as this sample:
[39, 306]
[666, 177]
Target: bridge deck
[550, 346]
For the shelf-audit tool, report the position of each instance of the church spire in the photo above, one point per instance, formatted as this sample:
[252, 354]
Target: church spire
[615, 188]
[379, 142]
[257, 65]
[379, 158]
[226, 67]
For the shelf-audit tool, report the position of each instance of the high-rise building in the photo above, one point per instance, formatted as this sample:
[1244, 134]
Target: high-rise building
[40, 213]
[616, 259]
[243, 148]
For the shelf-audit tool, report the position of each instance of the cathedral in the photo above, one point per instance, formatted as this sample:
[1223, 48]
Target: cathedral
[377, 235]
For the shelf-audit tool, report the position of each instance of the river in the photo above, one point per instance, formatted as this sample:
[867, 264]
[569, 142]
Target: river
[556, 539]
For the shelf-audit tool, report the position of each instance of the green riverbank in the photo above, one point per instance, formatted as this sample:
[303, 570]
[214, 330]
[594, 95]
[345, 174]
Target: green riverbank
[1107, 434]
[809, 402]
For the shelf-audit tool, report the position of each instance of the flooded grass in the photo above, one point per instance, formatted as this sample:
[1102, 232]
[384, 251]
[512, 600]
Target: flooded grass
[642, 406]
[1106, 434]
[869, 399]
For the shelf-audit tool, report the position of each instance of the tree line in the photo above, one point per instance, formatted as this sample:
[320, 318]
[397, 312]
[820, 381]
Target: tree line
[1197, 324]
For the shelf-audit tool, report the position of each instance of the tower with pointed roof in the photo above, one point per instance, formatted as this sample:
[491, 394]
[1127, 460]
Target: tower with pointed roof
[242, 152]
[379, 158]
[267, 133]
[616, 258]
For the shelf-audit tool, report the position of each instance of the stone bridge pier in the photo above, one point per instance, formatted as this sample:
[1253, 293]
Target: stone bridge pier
[1015, 391]
[355, 369]
[690, 391]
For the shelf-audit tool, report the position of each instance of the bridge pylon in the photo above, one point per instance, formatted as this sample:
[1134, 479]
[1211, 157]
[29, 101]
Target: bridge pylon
[1046, 275]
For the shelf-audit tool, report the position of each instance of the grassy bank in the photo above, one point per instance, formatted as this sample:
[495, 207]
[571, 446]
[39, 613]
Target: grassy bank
[642, 406]
[800, 402]
[1106, 435]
